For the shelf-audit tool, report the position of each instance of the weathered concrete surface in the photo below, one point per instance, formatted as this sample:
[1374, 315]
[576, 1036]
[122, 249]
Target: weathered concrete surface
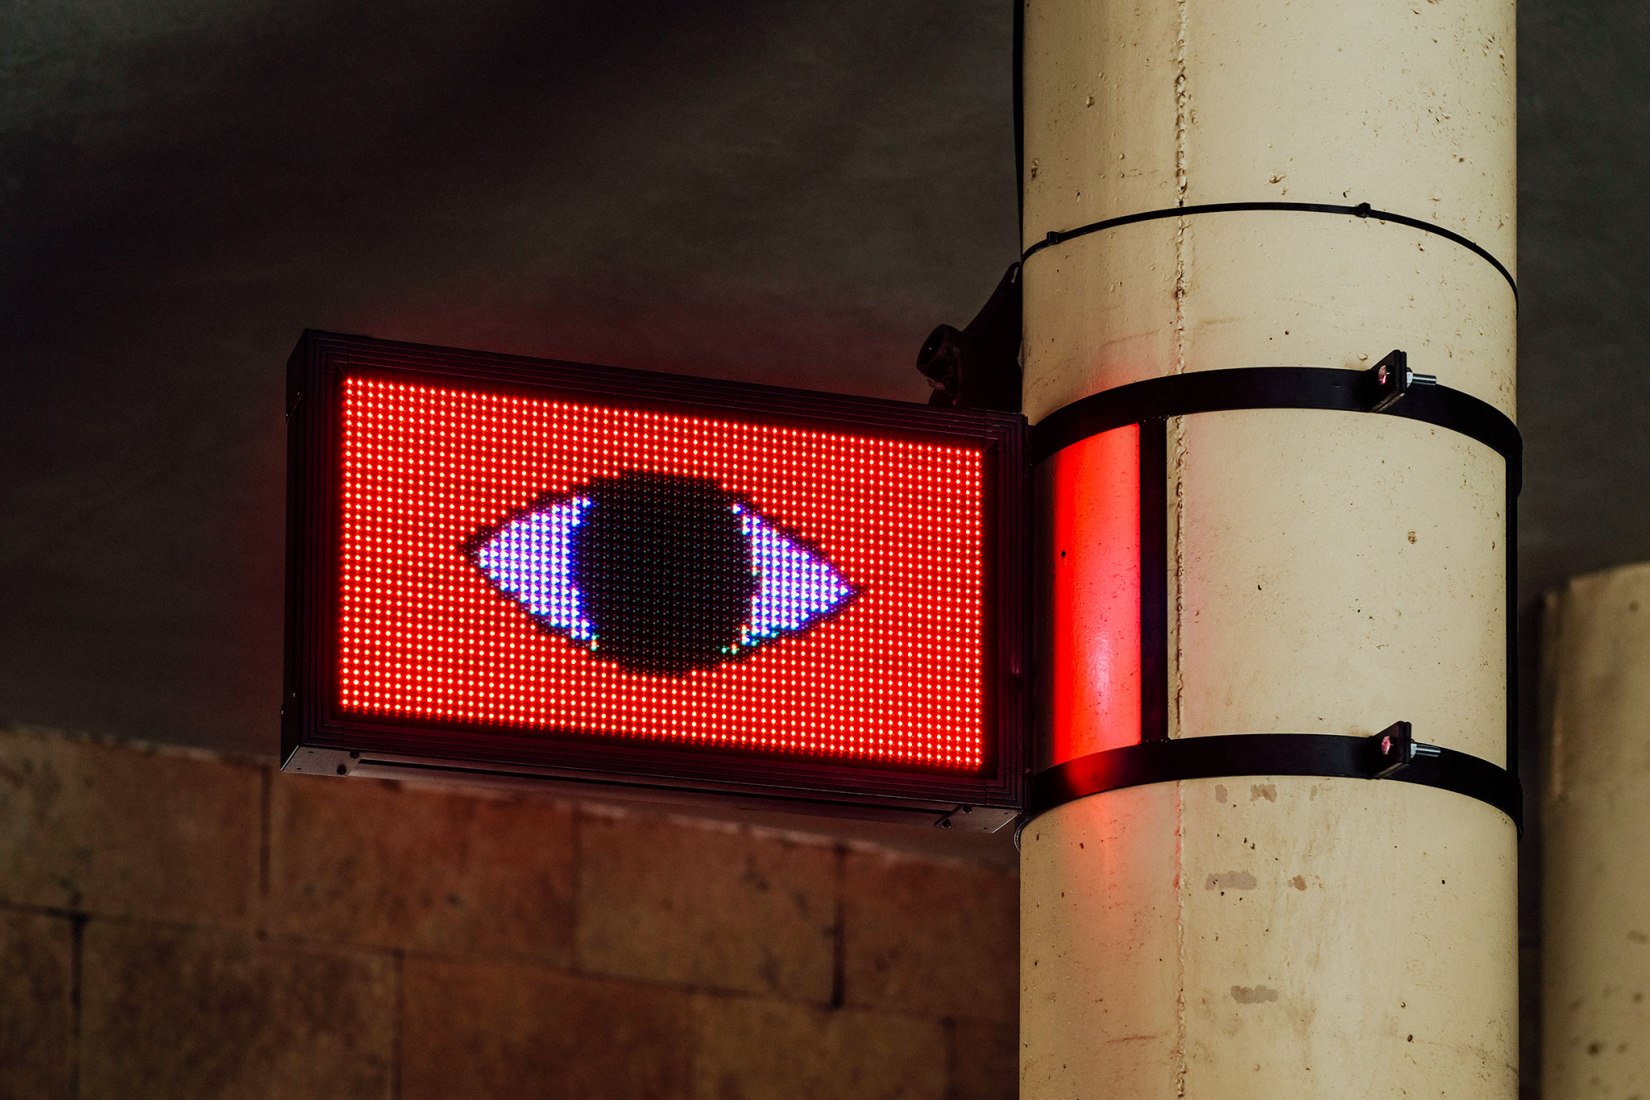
[713, 908]
[36, 1005]
[1596, 879]
[421, 870]
[171, 1012]
[764, 1050]
[128, 831]
[929, 938]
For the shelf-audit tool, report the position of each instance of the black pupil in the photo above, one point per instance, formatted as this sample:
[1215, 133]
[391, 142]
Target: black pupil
[663, 571]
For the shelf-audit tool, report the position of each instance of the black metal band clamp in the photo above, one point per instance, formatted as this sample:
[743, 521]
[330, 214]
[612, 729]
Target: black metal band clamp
[1389, 388]
[1392, 754]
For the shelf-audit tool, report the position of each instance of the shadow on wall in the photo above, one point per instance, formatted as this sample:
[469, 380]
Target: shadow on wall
[176, 923]
[186, 187]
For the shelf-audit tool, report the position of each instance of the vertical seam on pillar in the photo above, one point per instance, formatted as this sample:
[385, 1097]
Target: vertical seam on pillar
[1180, 124]
[1180, 940]
[1179, 425]
[1176, 674]
[1180, 103]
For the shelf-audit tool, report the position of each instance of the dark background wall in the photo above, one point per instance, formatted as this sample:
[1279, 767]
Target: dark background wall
[785, 192]
[790, 192]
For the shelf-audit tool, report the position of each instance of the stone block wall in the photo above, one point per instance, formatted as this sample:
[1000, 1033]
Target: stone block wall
[174, 923]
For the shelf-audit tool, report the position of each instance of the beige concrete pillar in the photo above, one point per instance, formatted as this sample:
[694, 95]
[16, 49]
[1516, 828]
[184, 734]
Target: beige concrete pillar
[1274, 936]
[1596, 839]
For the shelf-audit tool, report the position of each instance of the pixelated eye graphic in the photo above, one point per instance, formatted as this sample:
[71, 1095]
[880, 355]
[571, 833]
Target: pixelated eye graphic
[659, 573]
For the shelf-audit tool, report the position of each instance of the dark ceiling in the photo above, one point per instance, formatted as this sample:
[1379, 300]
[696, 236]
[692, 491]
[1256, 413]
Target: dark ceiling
[786, 191]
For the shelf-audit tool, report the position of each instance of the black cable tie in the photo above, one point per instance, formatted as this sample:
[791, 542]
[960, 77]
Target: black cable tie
[1361, 210]
[1393, 755]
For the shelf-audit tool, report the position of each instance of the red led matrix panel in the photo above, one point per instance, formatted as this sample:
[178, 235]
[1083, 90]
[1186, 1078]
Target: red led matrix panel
[505, 562]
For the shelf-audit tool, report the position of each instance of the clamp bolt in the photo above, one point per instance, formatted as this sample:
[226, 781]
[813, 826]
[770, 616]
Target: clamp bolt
[1390, 379]
[1394, 749]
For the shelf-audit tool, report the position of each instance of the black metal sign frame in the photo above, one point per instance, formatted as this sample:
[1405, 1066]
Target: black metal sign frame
[318, 737]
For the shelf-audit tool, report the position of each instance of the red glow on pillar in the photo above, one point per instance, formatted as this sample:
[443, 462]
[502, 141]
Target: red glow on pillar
[1095, 642]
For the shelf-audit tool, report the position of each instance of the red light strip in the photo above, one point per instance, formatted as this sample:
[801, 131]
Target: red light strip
[895, 679]
[1095, 629]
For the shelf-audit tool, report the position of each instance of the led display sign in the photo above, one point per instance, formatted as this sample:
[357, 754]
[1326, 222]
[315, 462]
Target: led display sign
[518, 568]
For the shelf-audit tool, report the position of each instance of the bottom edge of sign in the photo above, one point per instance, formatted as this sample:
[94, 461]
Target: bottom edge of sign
[308, 760]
